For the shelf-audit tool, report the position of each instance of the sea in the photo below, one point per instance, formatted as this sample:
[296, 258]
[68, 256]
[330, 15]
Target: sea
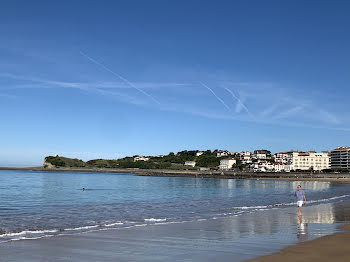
[35, 204]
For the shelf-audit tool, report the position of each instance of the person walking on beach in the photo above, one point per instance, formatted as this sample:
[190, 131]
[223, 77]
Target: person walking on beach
[301, 198]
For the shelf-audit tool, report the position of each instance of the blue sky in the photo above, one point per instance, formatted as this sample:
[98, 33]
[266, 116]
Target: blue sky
[106, 79]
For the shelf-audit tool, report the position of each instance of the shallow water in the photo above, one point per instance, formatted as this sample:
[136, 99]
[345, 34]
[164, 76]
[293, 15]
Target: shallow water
[36, 204]
[230, 238]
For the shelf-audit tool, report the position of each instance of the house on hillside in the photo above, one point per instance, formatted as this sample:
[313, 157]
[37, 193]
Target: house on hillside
[245, 157]
[190, 163]
[222, 153]
[263, 166]
[227, 163]
[141, 158]
[262, 154]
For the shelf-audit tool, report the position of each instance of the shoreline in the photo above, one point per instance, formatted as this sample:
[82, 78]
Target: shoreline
[234, 238]
[292, 176]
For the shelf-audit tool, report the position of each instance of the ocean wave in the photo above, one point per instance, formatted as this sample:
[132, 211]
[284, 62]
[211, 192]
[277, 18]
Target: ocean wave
[290, 203]
[233, 211]
[155, 219]
[37, 234]
[27, 232]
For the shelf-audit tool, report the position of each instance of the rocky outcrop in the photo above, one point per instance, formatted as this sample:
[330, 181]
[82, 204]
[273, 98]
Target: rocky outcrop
[48, 165]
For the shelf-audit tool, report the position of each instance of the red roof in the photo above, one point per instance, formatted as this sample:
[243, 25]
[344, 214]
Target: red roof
[303, 154]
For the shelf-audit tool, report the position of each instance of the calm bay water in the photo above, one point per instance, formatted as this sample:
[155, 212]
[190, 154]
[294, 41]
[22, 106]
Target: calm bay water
[35, 204]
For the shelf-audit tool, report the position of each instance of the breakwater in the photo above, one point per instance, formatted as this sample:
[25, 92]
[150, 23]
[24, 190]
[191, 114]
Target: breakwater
[244, 175]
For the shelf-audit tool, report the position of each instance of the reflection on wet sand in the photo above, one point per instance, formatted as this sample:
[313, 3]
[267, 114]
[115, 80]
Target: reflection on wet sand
[302, 230]
[323, 213]
[272, 221]
[331, 248]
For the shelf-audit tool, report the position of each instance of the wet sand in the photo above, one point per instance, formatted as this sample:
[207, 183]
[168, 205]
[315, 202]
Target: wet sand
[223, 239]
[334, 247]
[328, 248]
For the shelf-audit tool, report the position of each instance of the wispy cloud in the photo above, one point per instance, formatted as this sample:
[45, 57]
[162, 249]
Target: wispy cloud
[240, 103]
[270, 109]
[266, 104]
[102, 88]
[119, 76]
[287, 113]
[217, 97]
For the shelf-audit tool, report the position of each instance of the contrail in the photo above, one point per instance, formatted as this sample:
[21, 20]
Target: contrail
[119, 76]
[238, 100]
[218, 98]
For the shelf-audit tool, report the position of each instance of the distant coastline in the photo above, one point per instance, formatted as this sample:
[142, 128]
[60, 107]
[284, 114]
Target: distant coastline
[307, 176]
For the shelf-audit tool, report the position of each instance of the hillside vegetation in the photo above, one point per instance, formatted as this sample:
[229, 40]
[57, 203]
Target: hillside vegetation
[171, 161]
[60, 161]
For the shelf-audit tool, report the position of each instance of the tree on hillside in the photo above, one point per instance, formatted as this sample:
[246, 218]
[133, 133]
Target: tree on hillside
[208, 161]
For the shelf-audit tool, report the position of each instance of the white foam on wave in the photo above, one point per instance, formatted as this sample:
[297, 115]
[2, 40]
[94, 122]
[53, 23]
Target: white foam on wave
[289, 204]
[114, 224]
[141, 225]
[80, 228]
[250, 207]
[155, 219]
[27, 232]
[36, 234]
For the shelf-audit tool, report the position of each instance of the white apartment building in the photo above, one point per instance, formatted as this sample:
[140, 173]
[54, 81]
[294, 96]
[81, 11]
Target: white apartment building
[281, 158]
[262, 154]
[141, 158]
[199, 153]
[227, 163]
[340, 157]
[307, 161]
[190, 163]
[277, 167]
[245, 155]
